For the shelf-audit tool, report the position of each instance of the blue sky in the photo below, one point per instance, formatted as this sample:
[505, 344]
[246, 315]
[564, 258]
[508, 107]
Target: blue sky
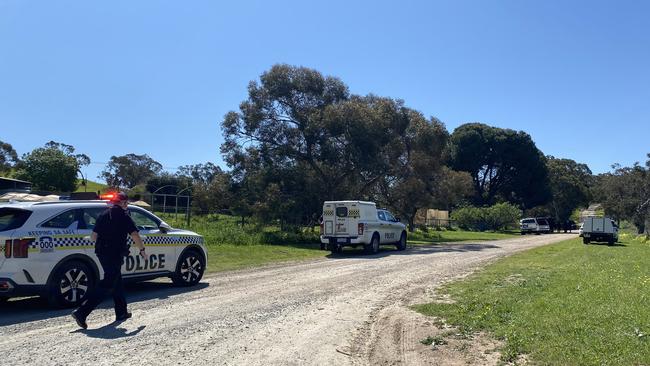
[157, 77]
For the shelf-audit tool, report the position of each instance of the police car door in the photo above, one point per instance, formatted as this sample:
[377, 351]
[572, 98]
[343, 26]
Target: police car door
[65, 231]
[395, 228]
[89, 217]
[161, 253]
[384, 227]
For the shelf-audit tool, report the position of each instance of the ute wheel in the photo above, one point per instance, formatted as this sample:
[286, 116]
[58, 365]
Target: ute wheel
[585, 241]
[523, 233]
[610, 241]
[189, 269]
[373, 247]
[70, 284]
[401, 244]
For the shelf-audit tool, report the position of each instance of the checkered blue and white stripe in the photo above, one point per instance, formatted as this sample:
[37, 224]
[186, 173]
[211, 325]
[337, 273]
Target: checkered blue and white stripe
[79, 241]
[171, 240]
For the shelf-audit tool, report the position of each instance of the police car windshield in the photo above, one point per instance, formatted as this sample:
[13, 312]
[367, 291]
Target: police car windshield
[12, 218]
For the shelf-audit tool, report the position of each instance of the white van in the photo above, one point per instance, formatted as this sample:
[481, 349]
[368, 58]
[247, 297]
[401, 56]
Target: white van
[354, 223]
[601, 229]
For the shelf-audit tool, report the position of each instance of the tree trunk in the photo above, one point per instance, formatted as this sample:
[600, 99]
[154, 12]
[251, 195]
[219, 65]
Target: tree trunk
[411, 220]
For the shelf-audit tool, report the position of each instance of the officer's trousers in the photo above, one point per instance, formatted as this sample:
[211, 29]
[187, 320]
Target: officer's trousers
[112, 283]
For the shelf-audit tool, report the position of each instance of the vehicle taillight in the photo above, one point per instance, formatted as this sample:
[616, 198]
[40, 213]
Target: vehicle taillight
[21, 247]
[7, 248]
[322, 228]
[360, 229]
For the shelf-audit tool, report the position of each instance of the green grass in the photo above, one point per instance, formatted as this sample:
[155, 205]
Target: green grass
[91, 186]
[448, 236]
[230, 257]
[561, 304]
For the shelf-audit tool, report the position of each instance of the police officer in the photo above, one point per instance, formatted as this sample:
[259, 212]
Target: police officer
[110, 237]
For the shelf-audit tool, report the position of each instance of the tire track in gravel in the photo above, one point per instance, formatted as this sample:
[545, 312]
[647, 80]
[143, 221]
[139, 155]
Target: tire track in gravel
[332, 311]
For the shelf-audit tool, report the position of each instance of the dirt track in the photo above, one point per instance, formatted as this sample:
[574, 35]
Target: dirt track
[345, 310]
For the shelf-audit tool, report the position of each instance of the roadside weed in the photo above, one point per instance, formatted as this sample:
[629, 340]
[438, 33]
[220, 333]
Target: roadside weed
[434, 341]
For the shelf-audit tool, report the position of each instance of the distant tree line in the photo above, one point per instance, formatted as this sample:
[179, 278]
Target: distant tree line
[301, 138]
[625, 194]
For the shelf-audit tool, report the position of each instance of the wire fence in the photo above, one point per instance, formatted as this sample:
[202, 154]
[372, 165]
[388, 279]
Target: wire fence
[176, 204]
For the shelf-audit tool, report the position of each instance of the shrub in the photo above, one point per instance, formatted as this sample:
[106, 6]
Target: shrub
[501, 216]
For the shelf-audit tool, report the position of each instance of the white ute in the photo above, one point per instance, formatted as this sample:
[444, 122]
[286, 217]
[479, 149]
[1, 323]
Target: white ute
[601, 229]
[354, 223]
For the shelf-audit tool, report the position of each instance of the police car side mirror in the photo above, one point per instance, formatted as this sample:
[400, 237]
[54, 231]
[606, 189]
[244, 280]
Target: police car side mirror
[164, 227]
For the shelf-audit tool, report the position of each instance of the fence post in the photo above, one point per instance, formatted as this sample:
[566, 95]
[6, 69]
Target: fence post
[188, 211]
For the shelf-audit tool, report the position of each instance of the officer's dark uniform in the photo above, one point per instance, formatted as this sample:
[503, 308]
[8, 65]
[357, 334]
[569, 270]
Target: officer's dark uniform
[112, 228]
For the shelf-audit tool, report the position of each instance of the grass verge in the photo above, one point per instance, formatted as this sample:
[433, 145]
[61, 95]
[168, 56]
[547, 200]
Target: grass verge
[230, 257]
[561, 304]
[449, 236]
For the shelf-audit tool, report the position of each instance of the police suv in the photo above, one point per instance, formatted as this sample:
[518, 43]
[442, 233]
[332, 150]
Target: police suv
[46, 250]
[353, 223]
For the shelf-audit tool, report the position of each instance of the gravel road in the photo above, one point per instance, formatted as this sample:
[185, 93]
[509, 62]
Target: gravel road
[349, 309]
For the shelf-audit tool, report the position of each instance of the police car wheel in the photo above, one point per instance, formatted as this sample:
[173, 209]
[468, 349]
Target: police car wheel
[189, 269]
[373, 247]
[401, 244]
[70, 284]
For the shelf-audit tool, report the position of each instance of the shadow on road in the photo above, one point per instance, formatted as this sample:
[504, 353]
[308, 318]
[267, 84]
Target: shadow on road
[110, 331]
[29, 309]
[419, 249]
